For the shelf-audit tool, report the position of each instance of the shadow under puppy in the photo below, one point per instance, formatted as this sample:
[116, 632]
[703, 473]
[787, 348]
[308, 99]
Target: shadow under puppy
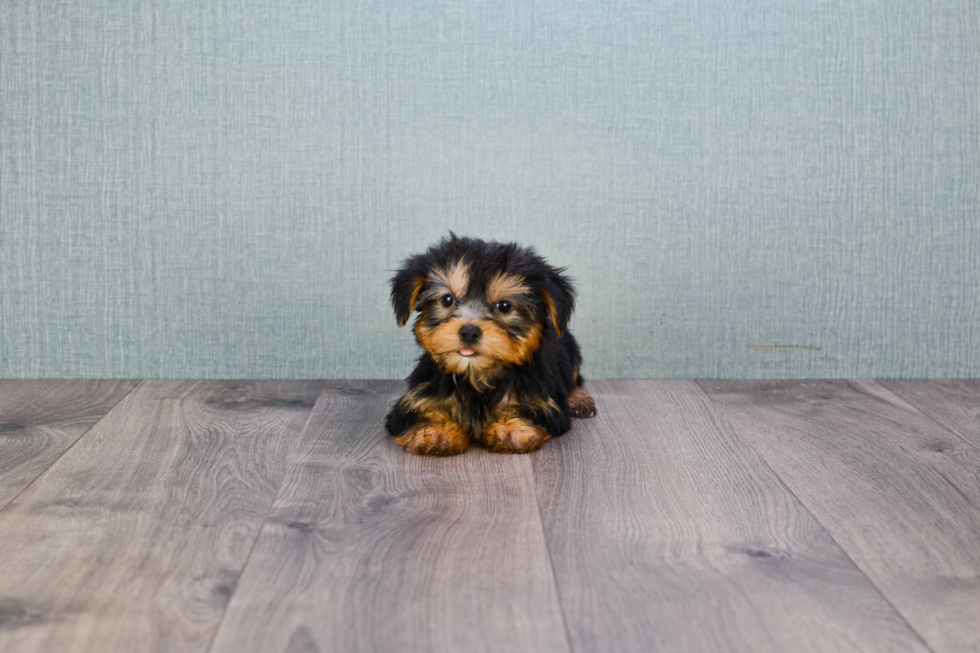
[499, 364]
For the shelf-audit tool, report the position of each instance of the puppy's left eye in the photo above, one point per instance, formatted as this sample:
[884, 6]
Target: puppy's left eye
[448, 300]
[504, 306]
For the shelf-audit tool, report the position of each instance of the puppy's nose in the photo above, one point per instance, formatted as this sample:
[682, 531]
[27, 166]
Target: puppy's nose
[469, 333]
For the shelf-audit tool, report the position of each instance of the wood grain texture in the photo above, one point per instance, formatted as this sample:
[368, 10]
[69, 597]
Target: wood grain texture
[667, 532]
[135, 538]
[898, 492]
[41, 419]
[369, 548]
[953, 403]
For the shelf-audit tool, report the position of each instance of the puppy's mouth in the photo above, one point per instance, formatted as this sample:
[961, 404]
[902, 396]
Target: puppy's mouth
[467, 352]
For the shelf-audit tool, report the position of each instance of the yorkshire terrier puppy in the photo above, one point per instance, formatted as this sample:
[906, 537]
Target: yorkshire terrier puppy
[499, 364]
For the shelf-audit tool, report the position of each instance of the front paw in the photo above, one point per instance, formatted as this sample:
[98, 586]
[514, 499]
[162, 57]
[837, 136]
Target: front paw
[580, 403]
[515, 435]
[434, 439]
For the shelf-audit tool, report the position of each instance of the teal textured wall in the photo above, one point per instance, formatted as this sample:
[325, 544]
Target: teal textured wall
[741, 188]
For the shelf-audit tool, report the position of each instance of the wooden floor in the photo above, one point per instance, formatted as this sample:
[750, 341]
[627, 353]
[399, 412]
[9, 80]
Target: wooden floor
[274, 516]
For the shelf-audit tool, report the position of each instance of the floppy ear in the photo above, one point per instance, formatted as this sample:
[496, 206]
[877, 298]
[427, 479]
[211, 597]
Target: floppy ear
[406, 286]
[558, 295]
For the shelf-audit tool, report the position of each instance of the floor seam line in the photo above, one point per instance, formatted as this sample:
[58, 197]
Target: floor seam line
[927, 415]
[44, 471]
[551, 561]
[833, 539]
[265, 519]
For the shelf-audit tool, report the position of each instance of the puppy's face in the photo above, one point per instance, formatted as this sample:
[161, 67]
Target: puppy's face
[472, 323]
[482, 305]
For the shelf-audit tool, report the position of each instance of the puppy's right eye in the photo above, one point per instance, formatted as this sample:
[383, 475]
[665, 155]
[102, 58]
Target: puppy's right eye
[448, 300]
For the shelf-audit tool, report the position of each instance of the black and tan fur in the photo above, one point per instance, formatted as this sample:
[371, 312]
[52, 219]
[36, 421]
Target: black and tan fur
[521, 385]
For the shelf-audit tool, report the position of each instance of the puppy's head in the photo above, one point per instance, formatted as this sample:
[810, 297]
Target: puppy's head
[483, 305]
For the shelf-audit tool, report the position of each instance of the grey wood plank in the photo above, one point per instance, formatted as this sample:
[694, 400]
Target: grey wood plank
[134, 539]
[41, 419]
[369, 548]
[953, 403]
[900, 493]
[668, 533]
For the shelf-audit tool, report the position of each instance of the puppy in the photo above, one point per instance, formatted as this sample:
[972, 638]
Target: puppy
[499, 364]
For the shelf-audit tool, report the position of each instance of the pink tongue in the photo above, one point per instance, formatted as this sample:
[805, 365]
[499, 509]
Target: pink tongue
[467, 352]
